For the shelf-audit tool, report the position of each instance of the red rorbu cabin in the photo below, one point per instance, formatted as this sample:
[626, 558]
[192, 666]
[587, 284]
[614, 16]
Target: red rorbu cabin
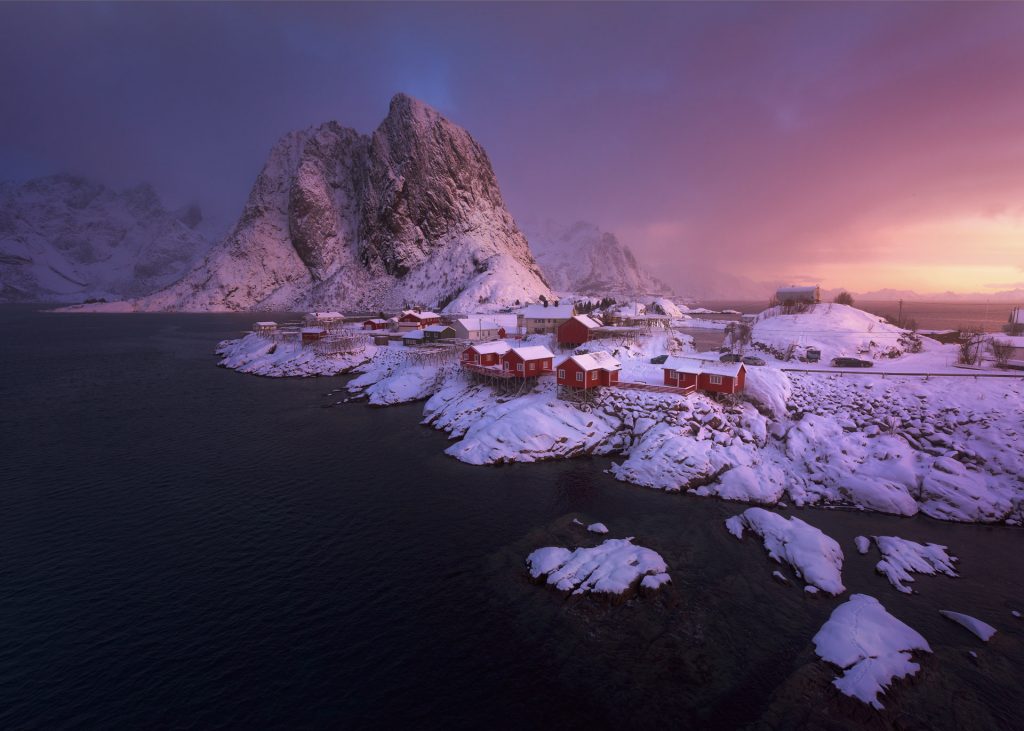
[421, 319]
[704, 375]
[589, 370]
[533, 360]
[485, 354]
[577, 330]
[376, 324]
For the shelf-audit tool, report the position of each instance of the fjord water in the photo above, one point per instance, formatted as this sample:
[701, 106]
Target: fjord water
[181, 545]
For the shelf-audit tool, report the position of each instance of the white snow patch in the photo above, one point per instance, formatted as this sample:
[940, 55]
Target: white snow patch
[613, 567]
[863, 544]
[870, 645]
[982, 630]
[901, 557]
[597, 528]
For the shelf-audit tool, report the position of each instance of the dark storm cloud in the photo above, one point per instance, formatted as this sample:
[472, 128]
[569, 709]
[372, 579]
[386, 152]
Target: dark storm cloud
[779, 137]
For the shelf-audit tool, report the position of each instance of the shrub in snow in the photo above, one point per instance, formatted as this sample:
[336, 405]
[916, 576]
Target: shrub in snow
[870, 645]
[613, 567]
[815, 557]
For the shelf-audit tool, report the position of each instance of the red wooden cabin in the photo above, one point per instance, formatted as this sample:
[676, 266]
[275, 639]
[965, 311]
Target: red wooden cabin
[420, 318]
[485, 354]
[376, 324]
[704, 375]
[532, 360]
[577, 330]
[589, 370]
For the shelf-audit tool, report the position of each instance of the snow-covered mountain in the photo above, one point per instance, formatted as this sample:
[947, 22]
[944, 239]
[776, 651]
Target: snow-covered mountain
[65, 239]
[409, 214]
[582, 258]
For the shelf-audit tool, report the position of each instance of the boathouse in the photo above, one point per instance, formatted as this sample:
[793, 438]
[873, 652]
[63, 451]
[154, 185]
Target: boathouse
[532, 360]
[589, 370]
[414, 338]
[577, 330]
[704, 375]
[324, 319]
[313, 333]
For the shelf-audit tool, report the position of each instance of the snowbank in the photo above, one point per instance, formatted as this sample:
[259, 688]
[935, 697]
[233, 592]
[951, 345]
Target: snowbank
[614, 567]
[815, 557]
[835, 330]
[982, 630]
[261, 356]
[870, 645]
[901, 557]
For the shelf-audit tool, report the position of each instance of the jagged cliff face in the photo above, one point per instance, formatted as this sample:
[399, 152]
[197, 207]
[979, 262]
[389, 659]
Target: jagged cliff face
[66, 239]
[409, 214]
[584, 259]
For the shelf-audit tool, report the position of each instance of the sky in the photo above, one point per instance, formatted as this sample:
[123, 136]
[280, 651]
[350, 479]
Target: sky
[863, 145]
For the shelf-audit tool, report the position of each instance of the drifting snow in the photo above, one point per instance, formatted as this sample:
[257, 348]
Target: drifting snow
[614, 567]
[870, 645]
[982, 630]
[901, 557]
[815, 557]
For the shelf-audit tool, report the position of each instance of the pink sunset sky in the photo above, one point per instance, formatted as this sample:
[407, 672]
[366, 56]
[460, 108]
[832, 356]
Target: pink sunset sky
[856, 145]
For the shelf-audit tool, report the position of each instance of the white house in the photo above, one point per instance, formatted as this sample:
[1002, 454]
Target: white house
[541, 319]
[476, 329]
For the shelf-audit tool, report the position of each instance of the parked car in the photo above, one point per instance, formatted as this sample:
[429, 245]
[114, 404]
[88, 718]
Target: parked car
[659, 359]
[729, 358]
[753, 360]
[851, 363]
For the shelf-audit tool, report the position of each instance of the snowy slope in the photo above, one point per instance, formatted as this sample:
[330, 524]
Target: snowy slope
[584, 259]
[66, 239]
[409, 214]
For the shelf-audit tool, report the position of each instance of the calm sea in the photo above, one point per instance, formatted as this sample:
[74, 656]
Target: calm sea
[927, 315]
[184, 546]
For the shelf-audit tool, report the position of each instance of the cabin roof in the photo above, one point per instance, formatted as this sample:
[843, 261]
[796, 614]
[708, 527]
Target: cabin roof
[477, 323]
[414, 335]
[551, 312]
[327, 315]
[314, 330]
[700, 365]
[533, 352]
[599, 360]
[421, 315]
[588, 322]
[266, 323]
[494, 346]
[437, 328]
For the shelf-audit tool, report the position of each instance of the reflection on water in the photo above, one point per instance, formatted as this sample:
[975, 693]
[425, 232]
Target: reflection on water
[183, 545]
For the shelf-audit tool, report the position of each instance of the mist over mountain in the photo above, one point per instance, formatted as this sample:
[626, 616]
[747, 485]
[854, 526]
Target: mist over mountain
[65, 238]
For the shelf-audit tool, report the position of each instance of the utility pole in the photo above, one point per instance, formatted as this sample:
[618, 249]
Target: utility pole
[899, 319]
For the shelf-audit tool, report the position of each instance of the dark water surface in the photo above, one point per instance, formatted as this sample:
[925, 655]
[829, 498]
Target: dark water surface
[184, 546]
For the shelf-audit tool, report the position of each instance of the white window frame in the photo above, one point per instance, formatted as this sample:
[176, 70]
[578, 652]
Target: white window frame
[579, 375]
[670, 373]
[561, 373]
[593, 375]
[519, 367]
[715, 380]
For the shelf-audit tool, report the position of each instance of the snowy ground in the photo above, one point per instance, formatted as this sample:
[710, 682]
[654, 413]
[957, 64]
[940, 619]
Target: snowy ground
[950, 448]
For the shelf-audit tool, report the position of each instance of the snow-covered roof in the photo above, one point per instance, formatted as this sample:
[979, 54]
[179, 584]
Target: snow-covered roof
[588, 322]
[494, 346]
[601, 360]
[327, 315]
[533, 352]
[313, 330]
[699, 365]
[437, 328]
[377, 321]
[414, 335]
[476, 323]
[266, 323]
[421, 315]
[551, 312]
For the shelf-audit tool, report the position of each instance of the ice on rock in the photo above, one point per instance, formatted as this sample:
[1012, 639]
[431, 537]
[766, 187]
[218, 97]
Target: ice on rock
[863, 544]
[982, 630]
[597, 528]
[901, 557]
[870, 645]
[764, 484]
[814, 556]
[613, 567]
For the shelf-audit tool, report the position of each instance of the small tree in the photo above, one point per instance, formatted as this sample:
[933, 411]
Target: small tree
[971, 339]
[844, 298]
[1001, 351]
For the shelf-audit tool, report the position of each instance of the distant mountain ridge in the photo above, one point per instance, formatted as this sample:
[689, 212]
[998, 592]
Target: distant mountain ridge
[411, 214]
[65, 238]
[582, 258]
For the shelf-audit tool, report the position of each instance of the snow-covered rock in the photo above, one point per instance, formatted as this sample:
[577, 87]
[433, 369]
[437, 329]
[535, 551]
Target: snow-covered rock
[870, 645]
[614, 567]
[980, 629]
[264, 357]
[67, 239]
[815, 557]
[901, 558]
[411, 213]
[597, 528]
[769, 388]
[863, 543]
